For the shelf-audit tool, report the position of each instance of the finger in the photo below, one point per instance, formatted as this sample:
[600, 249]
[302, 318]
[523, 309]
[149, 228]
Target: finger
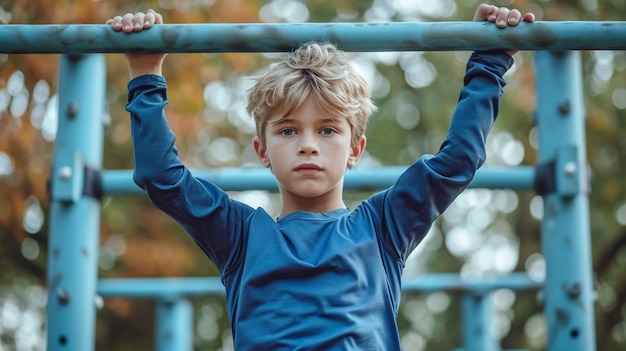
[148, 20]
[127, 22]
[502, 17]
[115, 22]
[158, 19]
[514, 17]
[529, 17]
[492, 13]
[138, 21]
[485, 13]
[152, 18]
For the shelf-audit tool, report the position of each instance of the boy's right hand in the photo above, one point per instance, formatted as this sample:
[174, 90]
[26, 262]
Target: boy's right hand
[140, 64]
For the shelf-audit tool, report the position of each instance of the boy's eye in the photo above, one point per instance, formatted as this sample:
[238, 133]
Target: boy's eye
[327, 131]
[287, 132]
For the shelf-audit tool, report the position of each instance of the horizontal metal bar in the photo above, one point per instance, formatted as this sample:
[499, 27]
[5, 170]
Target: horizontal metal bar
[117, 182]
[517, 281]
[163, 288]
[170, 288]
[280, 37]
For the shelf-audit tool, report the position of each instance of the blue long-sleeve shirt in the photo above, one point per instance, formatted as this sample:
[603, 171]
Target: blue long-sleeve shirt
[315, 281]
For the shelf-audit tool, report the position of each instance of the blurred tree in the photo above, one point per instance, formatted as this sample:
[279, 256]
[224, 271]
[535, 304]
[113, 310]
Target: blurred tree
[417, 93]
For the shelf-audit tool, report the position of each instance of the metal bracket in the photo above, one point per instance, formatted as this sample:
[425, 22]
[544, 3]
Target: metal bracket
[93, 182]
[72, 178]
[545, 181]
[563, 175]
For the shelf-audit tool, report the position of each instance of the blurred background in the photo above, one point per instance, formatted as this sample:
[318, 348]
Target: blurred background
[484, 233]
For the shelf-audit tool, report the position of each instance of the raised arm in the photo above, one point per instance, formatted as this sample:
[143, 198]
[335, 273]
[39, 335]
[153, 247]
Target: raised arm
[206, 212]
[430, 185]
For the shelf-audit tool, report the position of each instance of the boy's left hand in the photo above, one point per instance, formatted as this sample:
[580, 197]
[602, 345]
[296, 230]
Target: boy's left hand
[502, 17]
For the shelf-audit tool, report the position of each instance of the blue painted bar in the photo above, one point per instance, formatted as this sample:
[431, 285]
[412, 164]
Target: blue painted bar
[75, 218]
[280, 37]
[117, 182]
[478, 315]
[173, 288]
[453, 282]
[161, 288]
[174, 325]
[565, 231]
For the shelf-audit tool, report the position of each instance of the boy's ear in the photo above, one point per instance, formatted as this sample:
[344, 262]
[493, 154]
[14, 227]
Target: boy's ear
[356, 152]
[261, 152]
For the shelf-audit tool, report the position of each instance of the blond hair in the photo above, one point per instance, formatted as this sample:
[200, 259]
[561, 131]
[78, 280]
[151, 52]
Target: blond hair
[317, 69]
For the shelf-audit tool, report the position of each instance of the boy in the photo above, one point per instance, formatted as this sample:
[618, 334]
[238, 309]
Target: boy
[320, 277]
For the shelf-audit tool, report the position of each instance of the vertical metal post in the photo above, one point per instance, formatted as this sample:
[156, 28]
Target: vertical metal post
[75, 217]
[174, 329]
[565, 229]
[478, 318]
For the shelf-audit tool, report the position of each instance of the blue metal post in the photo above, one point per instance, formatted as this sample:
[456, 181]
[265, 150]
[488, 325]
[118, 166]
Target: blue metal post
[565, 229]
[477, 321]
[174, 325]
[75, 217]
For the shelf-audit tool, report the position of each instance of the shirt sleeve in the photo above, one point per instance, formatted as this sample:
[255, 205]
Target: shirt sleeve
[206, 212]
[429, 186]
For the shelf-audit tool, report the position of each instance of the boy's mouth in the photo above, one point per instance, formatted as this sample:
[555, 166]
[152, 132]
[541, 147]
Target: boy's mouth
[308, 167]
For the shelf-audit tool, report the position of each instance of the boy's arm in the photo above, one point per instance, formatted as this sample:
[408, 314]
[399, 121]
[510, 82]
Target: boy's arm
[463, 150]
[428, 187]
[205, 211]
[479, 99]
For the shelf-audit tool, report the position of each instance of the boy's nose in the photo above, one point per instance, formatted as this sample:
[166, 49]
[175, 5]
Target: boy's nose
[308, 145]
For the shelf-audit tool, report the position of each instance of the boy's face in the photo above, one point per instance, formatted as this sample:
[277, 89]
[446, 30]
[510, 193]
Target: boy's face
[308, 152]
